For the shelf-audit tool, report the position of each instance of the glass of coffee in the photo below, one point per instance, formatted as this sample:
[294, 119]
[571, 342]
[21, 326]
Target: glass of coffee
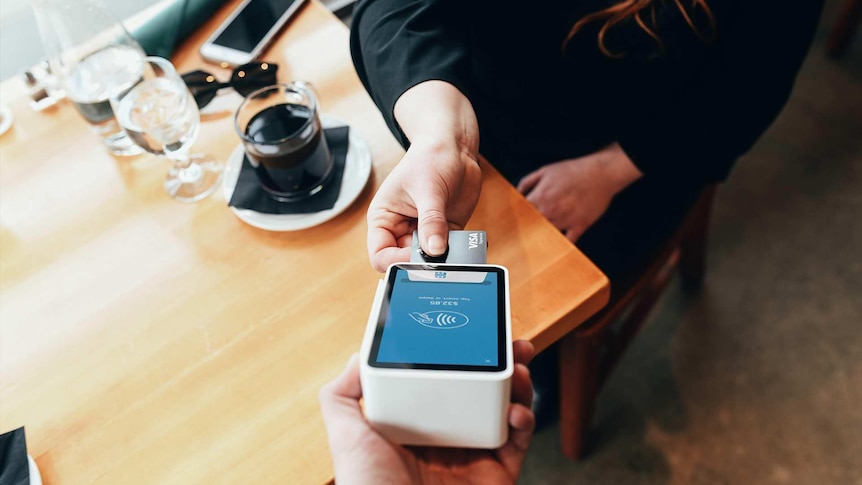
[283, 138]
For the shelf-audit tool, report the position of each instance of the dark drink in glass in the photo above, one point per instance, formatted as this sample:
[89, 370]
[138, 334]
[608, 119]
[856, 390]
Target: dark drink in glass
[290, 155]
[95, 112]
[89, 85]
[284, 140]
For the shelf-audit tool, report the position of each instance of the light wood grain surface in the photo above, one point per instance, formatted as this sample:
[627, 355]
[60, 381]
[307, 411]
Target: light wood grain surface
[145, 341]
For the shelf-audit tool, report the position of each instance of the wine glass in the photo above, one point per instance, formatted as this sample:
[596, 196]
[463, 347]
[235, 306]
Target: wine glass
[91, 53]
[160, 115]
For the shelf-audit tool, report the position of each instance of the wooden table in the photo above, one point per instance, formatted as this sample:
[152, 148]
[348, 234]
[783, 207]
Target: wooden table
[147, 341]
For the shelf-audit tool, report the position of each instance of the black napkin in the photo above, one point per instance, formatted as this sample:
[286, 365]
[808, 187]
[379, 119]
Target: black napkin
[248, 194]
[14, 468]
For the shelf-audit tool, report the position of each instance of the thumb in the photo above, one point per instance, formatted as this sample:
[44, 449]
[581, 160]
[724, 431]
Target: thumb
[433, 226]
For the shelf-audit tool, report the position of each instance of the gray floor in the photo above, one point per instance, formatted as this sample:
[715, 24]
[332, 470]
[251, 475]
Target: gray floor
[759, 378]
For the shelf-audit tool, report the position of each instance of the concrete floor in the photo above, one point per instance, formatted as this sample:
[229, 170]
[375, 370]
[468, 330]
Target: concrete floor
[759, 378]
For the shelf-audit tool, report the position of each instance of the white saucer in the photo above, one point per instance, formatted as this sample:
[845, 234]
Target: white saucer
[35, 477]
[357, 169]
[6, 119]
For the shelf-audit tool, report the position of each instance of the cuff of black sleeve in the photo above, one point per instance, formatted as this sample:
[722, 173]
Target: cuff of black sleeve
[680, 166]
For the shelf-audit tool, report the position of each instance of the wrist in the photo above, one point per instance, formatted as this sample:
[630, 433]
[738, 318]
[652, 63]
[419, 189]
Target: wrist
[437, 116]
[619, 169]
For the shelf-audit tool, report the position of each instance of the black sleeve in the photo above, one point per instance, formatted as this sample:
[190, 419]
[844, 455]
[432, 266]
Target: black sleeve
[397, 44]
[696, 137]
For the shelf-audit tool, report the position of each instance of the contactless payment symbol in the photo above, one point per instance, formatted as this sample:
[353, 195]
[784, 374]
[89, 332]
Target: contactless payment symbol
[440, 320]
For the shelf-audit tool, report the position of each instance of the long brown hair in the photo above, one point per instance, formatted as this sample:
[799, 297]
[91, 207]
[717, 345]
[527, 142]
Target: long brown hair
[638, 9]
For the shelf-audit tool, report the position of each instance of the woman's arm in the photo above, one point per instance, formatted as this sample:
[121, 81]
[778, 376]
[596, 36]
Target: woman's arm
[413, 58]
[397, 44]
[436, 186]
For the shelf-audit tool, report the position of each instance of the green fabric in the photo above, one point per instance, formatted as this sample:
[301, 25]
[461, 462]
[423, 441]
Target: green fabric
[173, 24]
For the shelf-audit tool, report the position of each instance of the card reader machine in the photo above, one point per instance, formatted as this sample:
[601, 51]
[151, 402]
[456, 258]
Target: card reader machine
[436, 360]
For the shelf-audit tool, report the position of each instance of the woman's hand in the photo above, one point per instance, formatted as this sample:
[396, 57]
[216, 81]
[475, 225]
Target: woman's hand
[361, 455]
[436, 186]
[573, 194]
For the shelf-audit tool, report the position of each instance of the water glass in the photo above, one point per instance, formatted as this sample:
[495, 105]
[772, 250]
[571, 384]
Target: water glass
[160, 115]
[92, 54]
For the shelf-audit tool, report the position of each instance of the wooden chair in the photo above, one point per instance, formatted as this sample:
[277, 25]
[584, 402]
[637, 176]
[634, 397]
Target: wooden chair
[844, 28]
[588, 353]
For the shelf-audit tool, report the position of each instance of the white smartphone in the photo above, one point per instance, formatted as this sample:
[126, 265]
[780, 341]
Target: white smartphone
[248, 31]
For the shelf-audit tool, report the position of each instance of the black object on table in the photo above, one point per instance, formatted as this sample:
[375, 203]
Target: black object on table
[248, 194]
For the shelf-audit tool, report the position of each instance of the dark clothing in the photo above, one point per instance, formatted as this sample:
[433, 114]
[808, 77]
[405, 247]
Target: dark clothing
[683, 112]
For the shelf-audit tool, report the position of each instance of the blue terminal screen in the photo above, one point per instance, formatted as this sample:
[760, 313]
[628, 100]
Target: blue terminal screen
[442, 320]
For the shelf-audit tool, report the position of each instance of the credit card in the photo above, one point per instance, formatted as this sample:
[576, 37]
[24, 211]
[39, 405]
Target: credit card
[465, 247]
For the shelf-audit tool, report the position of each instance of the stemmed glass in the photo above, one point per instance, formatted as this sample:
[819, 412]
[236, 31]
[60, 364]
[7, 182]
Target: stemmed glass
[160, 115]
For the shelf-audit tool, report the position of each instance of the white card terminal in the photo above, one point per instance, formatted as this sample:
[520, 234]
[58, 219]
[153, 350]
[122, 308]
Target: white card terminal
[436, 360]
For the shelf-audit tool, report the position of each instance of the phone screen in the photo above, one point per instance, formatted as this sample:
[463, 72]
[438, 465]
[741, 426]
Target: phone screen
[252, 23]
[448, 318]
